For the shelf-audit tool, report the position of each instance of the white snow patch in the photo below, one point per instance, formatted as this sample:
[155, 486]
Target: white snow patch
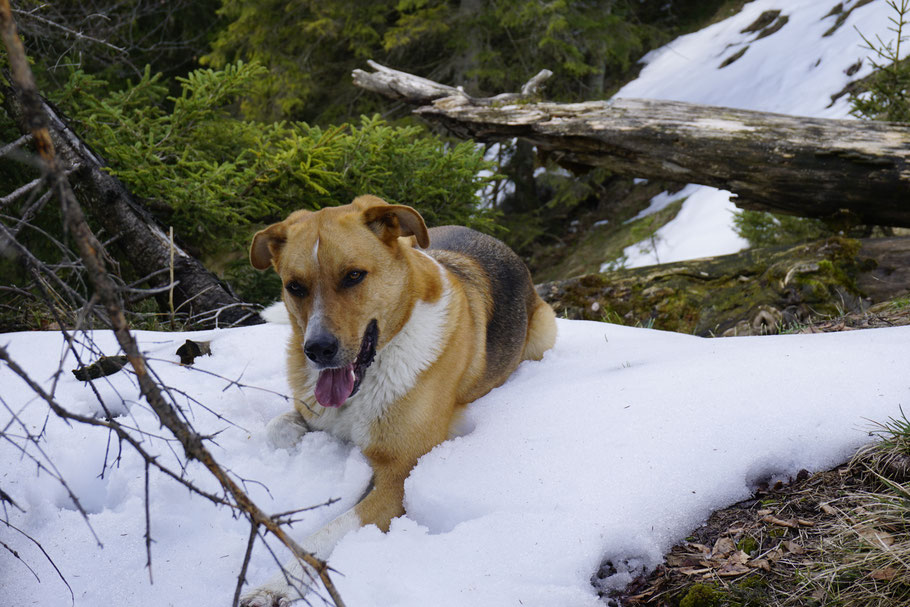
[574, 460]
[793, 71]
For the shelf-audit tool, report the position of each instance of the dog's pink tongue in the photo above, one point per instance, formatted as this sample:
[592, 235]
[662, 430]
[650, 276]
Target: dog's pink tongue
[334, 386]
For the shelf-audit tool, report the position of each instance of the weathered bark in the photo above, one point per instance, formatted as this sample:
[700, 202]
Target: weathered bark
[138, 237]
[756, 291]
[855, 170]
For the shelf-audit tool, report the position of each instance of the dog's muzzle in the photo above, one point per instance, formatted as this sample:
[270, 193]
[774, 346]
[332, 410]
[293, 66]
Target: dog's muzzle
[337, 384]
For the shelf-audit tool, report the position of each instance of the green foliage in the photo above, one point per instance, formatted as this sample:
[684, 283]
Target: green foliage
[403, 165]
[213, 173]
[768, 229]
[887, 94]
[215, 178]
[311, 47]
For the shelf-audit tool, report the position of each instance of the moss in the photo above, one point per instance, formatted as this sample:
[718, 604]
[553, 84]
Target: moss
[748, 544]
[753, 591]
[901, 303]
[714, 296]
[777, 532]
[702, 595]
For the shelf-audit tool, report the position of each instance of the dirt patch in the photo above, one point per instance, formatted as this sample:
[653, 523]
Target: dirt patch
[764, 20]
[744, 554]
[733, 57]
[841, 15]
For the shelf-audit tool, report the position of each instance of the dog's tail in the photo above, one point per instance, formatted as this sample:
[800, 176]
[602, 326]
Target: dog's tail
[276, 313]
[541, 332]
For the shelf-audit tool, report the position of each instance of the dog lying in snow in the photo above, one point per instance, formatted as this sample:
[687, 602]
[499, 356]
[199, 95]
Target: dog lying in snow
[395, 328]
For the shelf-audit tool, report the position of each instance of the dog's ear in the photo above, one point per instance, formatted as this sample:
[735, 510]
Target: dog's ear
[267, 245]
[391, 221]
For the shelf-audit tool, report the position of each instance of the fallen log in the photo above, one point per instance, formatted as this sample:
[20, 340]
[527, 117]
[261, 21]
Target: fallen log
[139, 239]
[849, 170]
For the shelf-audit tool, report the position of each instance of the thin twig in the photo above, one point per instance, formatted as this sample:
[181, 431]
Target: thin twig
[46, 555]
[241, 577]
[148, 525]
[74, 33]
[171, 293]
[15, 145]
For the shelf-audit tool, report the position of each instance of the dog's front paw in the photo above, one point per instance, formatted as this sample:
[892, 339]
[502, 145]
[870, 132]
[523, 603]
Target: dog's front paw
[264, 597]
[285, 431]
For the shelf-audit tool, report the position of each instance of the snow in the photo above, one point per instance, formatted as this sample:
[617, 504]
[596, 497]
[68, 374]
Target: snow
[614, 446]
[795, 70]
[700, 229]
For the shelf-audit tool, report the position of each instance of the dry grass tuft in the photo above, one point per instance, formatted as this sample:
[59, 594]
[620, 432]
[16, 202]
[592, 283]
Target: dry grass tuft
[865, 554]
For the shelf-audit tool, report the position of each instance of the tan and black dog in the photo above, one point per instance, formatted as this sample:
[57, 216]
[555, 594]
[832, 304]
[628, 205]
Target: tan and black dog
[389, 341]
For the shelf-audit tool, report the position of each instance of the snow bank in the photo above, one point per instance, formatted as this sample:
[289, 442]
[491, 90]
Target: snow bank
[797, 70]
[614, 447]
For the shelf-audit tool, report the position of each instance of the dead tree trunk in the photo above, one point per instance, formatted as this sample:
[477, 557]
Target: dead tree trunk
[858, 170]
[142, 242]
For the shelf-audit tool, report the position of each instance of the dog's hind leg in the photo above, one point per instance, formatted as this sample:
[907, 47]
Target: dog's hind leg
[541, 332]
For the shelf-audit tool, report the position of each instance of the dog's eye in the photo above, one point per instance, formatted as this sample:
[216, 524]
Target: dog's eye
[296, 289]
[353, 277]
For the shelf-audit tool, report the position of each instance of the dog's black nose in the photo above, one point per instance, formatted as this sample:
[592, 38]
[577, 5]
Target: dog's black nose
[321, 349]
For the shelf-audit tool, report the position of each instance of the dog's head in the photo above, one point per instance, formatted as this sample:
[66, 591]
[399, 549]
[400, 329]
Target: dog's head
[347, 284]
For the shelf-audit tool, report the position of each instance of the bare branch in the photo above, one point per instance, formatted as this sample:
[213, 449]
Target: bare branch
[16, 145]
[80, 35]
[108, 295]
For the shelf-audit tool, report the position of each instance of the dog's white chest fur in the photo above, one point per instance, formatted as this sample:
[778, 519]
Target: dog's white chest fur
[393, 373]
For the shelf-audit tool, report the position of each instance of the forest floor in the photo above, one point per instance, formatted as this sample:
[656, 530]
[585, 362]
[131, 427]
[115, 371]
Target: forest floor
[837, 537]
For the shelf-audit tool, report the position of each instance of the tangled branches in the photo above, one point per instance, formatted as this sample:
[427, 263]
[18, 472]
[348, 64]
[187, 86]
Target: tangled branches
[98, 297]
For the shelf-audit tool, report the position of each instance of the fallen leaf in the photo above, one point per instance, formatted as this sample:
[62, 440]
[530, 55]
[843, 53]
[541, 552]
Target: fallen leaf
[738, 558]
[104, 366]
[722, 547]
[774, 555]
[762, 564]
[190, 350]
[827, 509]
[874, 536]
[733, 570]
[793, 547]
[682, 560]
[885, 574]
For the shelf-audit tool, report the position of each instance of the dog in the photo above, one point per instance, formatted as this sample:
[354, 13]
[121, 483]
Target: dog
[394, 329]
